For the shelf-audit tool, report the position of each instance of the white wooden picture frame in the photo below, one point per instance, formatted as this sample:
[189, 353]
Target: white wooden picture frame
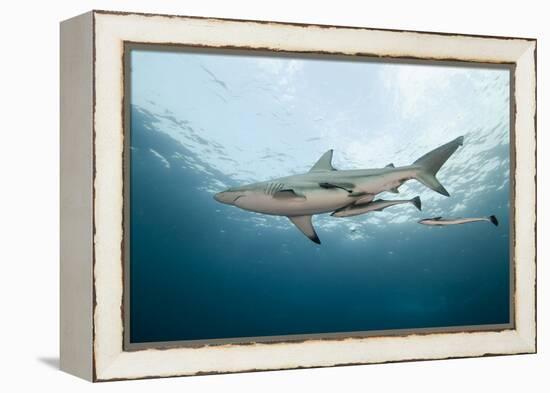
[92, 195]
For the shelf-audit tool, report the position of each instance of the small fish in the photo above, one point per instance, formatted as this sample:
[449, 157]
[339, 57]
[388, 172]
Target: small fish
[440, 221]
[374, 206]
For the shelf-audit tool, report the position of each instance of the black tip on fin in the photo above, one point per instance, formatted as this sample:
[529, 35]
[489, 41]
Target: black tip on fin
[443, 191]
[390, 165]
[494, 220]
[315, 239]
[417, 203]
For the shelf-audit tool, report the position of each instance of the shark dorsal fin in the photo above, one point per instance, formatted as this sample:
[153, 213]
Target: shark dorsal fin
[304, 224]
[390, 165]
[324, 163]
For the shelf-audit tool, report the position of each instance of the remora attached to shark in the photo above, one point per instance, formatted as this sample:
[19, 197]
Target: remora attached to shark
[375, 206]
[324, 189]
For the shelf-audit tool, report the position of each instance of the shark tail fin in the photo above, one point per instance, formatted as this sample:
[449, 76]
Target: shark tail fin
[430, 163]
[417, 203]
[493, 220]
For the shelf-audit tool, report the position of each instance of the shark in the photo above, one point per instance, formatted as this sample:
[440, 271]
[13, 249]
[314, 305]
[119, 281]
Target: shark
[324, 189]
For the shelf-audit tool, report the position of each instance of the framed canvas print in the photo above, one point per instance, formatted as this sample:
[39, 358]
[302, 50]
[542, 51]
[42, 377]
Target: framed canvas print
[246, 195]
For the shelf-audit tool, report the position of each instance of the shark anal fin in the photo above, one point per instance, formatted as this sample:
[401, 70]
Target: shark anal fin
[324, 163]
[343, 186]
[304, 224]
[288, 194]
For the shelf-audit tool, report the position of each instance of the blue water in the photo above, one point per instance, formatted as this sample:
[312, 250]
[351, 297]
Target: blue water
[203, 270]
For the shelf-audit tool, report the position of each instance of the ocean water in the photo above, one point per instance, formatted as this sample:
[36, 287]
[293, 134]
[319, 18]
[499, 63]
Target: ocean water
[201, 122]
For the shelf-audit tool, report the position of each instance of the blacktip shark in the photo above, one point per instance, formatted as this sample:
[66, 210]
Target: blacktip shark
[324, 189]
[440, 221]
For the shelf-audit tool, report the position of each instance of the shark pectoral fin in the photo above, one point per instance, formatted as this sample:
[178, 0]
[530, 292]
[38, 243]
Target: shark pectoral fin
[324, 163]
[288, 195]
[304, 224]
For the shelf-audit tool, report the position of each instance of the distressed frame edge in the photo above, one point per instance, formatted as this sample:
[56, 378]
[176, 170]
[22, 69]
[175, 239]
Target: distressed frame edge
[526, 139]
[76, 196]
[527, 340]
[305, 24]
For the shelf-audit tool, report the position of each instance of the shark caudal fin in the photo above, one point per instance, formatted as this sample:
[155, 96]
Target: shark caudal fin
[431, 162]
[493, 220]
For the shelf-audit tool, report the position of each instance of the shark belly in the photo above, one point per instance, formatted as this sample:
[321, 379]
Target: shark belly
[314, 202]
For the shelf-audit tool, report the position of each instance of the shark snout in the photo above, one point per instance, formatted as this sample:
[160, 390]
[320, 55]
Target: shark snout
[227, 197]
